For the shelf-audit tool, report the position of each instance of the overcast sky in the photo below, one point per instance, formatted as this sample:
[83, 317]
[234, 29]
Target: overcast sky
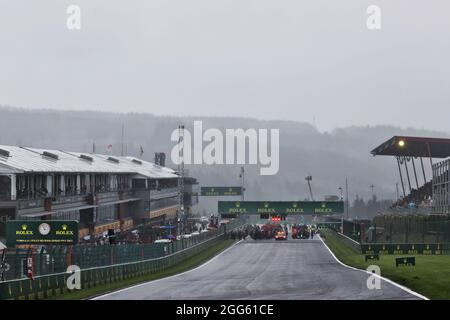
[270, 59]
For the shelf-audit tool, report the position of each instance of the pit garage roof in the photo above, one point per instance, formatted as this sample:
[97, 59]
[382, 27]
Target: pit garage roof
[414, 147]
[15, 159]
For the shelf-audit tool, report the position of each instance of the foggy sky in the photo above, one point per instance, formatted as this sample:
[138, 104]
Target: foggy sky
[270, 59]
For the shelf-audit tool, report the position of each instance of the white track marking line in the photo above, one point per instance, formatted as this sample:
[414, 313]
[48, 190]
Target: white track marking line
[165, 278]
[381, 277]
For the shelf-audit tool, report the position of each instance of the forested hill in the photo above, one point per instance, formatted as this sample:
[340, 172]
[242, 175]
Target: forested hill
[329, 157]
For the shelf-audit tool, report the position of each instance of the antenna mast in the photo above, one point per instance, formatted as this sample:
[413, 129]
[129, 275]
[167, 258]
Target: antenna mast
[309, 179]
[181, 216]
[123, 131]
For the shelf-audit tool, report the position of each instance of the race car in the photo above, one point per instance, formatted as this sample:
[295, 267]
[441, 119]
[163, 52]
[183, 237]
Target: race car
[280, 235]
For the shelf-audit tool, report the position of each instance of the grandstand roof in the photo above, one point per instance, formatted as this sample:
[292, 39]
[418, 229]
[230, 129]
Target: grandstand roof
[20, 159]
[414, 147]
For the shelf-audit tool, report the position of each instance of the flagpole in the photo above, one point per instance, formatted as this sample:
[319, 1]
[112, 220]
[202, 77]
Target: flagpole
[123, 129]
[242, 183]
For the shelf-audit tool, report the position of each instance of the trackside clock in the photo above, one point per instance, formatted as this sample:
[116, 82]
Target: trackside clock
[44, 229]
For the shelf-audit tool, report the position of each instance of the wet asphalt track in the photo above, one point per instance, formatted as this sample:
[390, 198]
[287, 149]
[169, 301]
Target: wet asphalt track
[293, 269]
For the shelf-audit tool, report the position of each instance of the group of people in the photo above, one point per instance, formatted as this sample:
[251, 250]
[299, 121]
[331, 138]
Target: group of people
[256, 233]
[237, 234]
[418, 198]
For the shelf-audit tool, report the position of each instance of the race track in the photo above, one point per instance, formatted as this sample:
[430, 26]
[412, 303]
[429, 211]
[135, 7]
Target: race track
[293, 269]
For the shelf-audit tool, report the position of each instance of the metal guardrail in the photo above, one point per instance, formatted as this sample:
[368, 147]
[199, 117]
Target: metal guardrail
[349, 241]
[51, 284]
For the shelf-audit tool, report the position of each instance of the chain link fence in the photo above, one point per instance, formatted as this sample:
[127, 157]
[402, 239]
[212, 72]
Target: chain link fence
[396, 229]
[410, 229]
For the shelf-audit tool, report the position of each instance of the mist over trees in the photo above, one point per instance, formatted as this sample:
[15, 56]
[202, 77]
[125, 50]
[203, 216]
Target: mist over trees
[330, 157]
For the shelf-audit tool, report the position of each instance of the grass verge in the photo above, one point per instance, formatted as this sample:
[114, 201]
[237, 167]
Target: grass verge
[186, 265]
[430, 277]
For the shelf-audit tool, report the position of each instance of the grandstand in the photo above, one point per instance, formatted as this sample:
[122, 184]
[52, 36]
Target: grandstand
[419, 191]
[421, 213]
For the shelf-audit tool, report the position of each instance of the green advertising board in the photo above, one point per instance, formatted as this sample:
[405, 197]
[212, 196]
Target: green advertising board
[281, 207]
[48, 232]
[401, 248]
[221, 191]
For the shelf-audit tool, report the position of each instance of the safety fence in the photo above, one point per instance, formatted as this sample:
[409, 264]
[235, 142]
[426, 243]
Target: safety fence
[397, 248]
[50, 285]
[396, 229]
[145, 262]
[394, 248]
[349, 241]
[354, 229]
[55, 259]
[410, 229]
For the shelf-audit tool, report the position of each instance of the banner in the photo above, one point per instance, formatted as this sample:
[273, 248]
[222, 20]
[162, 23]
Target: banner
[281, 207]
[221, 191]
[401, 248]
[41, 232]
